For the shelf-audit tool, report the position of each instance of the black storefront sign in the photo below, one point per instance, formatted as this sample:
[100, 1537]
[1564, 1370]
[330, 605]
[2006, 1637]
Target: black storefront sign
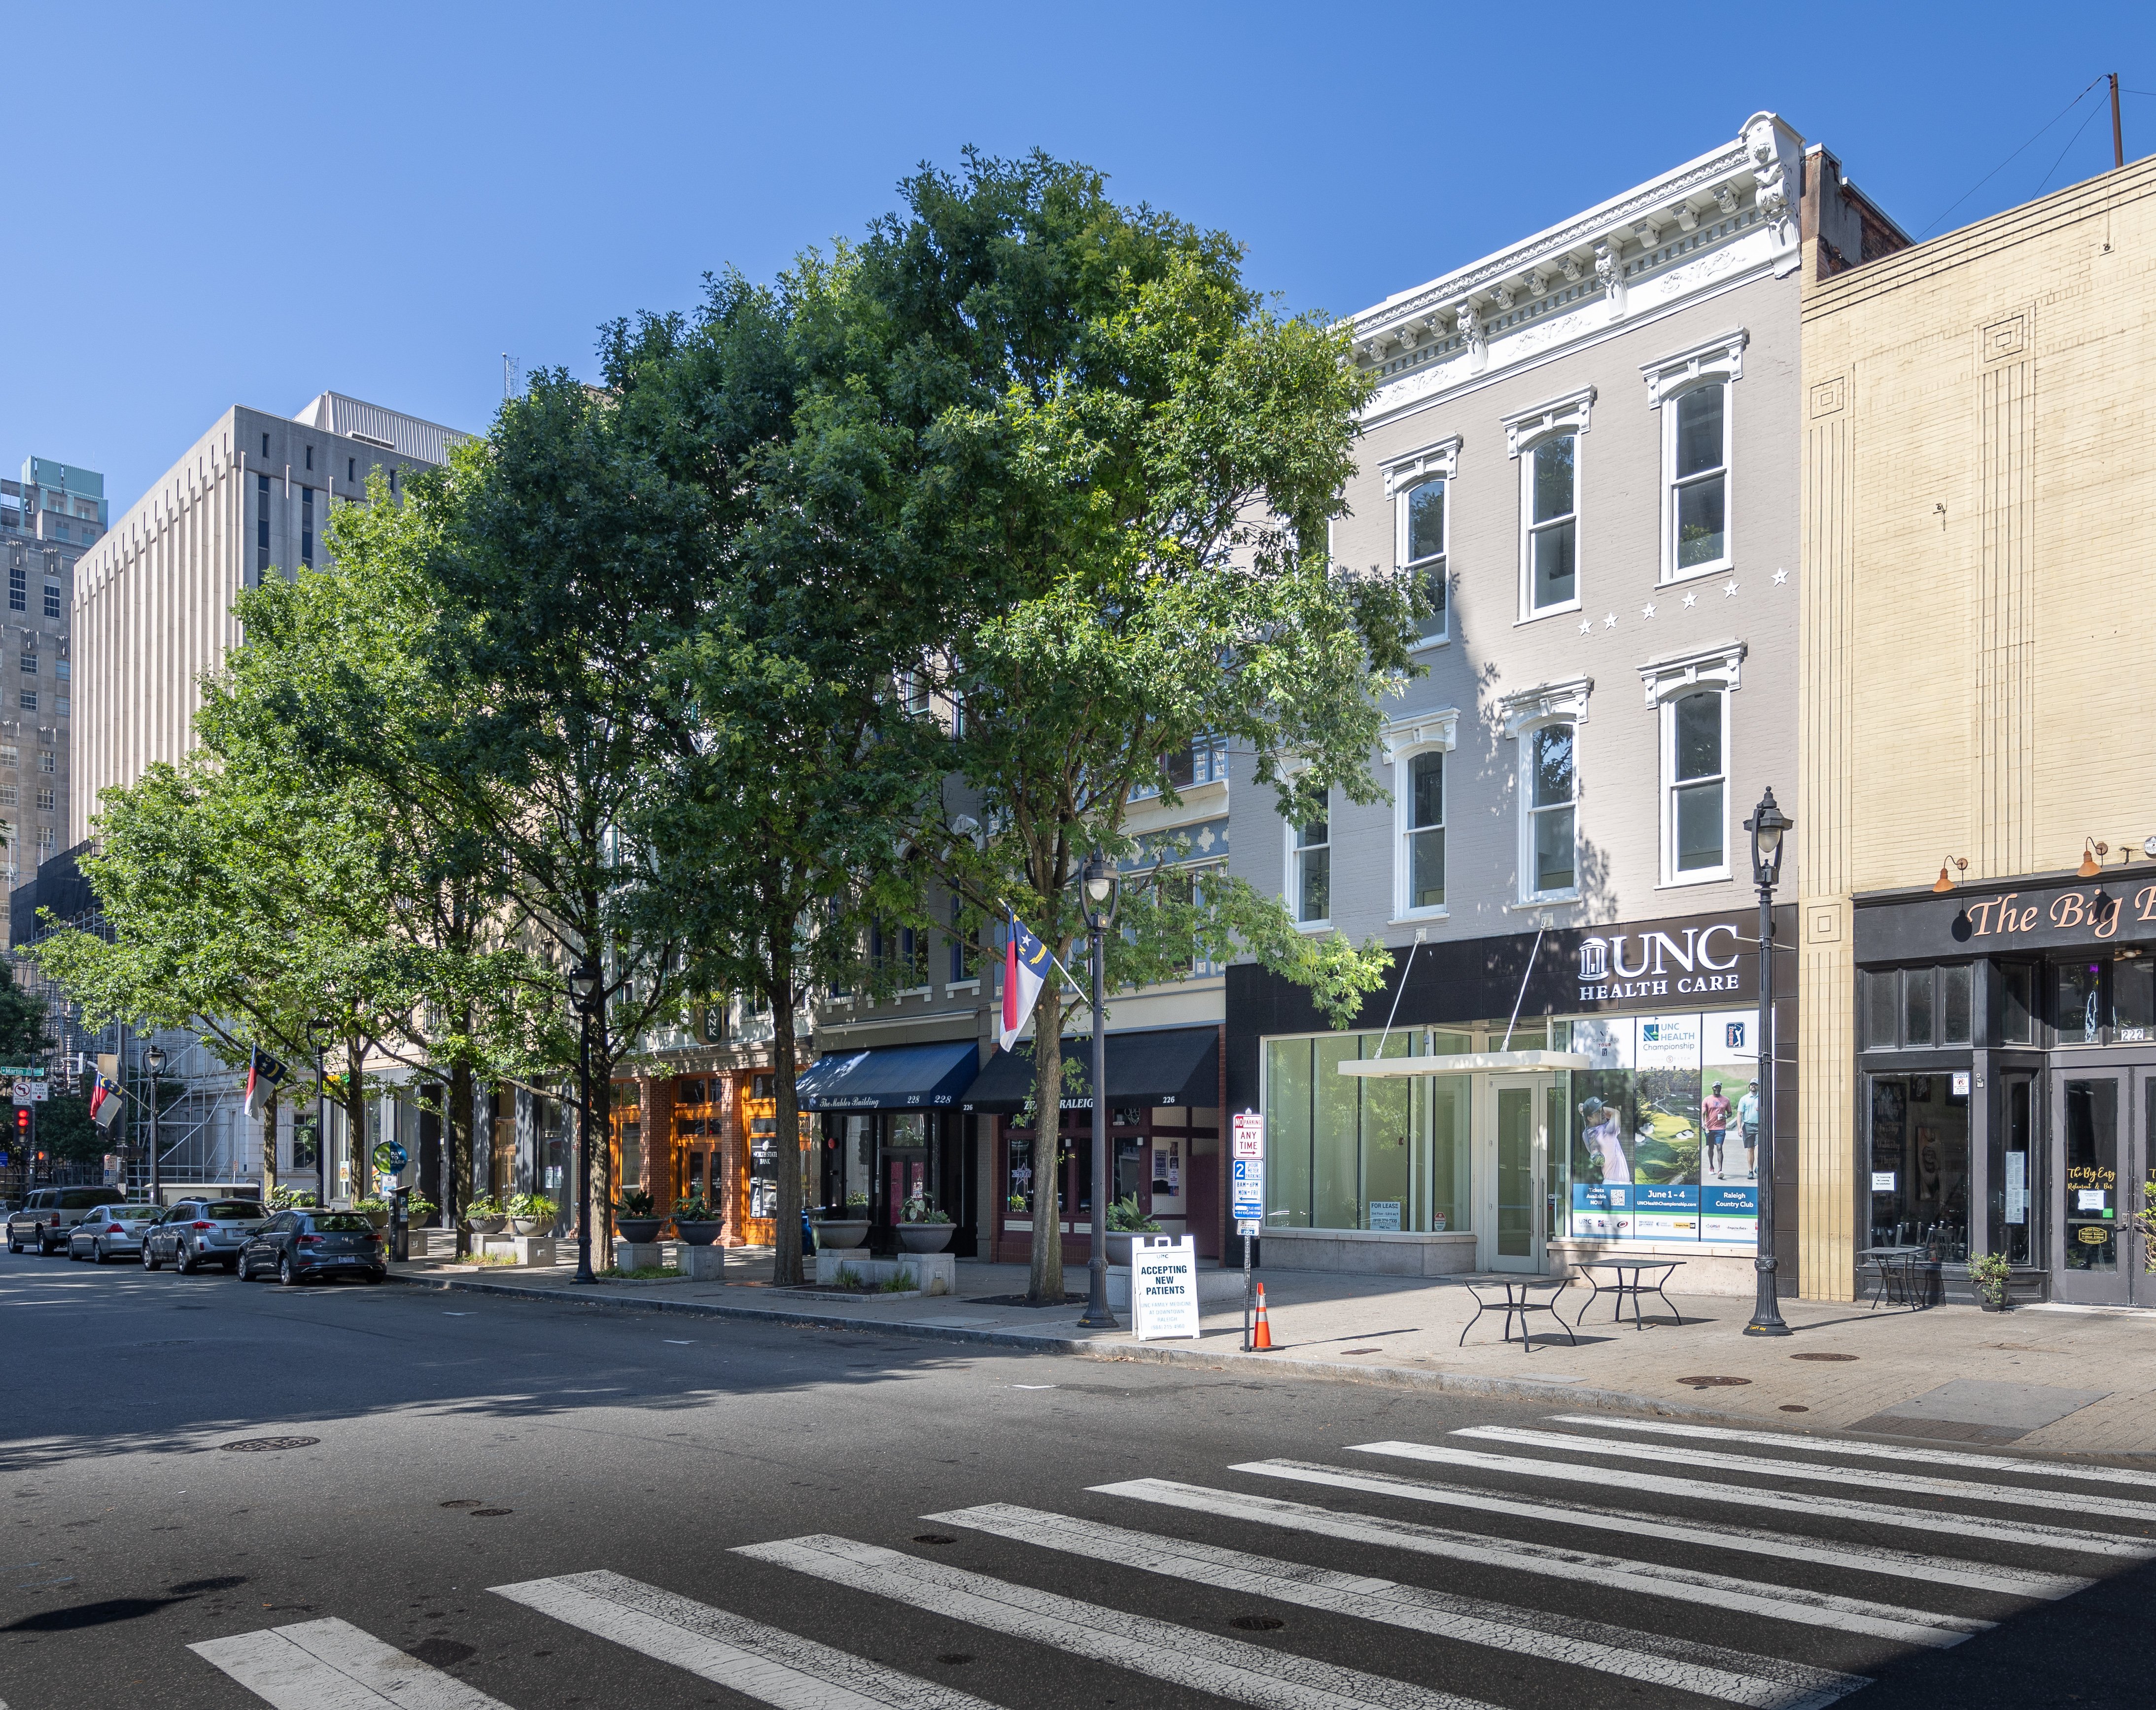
[2008, 917]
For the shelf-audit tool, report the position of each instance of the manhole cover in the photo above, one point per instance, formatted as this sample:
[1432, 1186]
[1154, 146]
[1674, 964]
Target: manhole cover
[256, 1446]
[490, 1513]
[1713, 1383]
[955, 1657]
[1822, 1356]
[1792, 1407]
[1362, 1350]
[1257, 1624]
[933, 1537]
[464, 1502]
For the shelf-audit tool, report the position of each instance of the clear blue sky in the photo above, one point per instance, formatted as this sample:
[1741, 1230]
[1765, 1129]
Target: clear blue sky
[214, 206]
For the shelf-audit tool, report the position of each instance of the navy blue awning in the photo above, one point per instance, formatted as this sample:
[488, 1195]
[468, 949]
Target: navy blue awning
[1173, 1066]
[891, 1078]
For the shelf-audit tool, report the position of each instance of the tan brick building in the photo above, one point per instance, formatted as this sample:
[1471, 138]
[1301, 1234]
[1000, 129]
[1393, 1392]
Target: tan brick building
[1979, 1042]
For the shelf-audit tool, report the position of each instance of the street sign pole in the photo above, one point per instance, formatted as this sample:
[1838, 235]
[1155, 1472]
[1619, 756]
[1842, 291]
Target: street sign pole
[1247, 1201]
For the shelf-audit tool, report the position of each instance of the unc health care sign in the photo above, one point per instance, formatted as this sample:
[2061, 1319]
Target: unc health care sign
[1163, 1287]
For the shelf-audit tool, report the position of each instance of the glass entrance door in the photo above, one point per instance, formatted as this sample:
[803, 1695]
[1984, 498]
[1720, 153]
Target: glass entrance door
[1519, 1159]
[2102, 1119]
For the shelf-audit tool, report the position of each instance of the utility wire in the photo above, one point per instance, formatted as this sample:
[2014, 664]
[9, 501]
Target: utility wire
[2011, 159]
[2067, 150]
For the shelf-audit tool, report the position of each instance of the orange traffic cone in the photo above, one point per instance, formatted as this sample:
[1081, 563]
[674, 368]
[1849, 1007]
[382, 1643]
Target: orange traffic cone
[1261, 1340]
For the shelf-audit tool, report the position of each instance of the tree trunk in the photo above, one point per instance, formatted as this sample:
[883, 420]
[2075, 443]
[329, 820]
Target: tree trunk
[1044, 1286]
[786, 1266]
[269, 1149]
[355, 1119]
[602, 1145]
[457, 1152]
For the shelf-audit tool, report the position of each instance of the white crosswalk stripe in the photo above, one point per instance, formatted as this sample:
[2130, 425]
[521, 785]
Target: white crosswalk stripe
[1872, 1478]
[1635, 1522]
[1869, 1452]
[762, 1663]
[1736, 1676]
[1985, 1525]
[331, 1664]
[1182, 1657]
[1819, 1609]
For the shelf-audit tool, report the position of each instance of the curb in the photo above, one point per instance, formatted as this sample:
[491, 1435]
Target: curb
[1087, 1347]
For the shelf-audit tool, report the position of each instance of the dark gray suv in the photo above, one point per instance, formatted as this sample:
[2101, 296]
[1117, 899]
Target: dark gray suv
[49, 1214]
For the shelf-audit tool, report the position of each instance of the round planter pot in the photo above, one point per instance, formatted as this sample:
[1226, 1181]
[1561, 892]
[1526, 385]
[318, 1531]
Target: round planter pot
[1119, 1249]
[698, 1233]
[380, 1218]
[926, 1237]
[1989, 1305]
[486, 1226]
[638, 1231]
[839, 1234]
[530, 1225]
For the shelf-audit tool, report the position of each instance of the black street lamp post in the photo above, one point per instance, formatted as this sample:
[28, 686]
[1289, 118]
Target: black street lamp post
[1100, 881]
[153, 1060]
[318, 1031]
[582, 983]
[1769, 826]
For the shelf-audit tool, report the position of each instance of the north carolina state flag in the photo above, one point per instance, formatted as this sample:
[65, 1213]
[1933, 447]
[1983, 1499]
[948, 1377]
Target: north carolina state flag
[264, 1075]
[1026, 963]
[106, 1101]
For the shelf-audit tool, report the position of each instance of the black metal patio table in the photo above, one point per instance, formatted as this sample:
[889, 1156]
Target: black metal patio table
[1517, 1303]
[1635, 1287]
[1895, 1264]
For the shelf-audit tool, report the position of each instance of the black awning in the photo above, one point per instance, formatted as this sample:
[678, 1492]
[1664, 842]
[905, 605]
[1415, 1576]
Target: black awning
[893, 1078]
[1177, 1065]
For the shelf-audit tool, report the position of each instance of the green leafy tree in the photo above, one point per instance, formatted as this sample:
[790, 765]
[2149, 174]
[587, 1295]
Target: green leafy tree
[23, 1033]
[1128, 463]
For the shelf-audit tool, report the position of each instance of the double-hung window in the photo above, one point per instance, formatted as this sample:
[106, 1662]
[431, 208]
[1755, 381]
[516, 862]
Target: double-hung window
[1424, 854]
[1310, 871]
[1695, 749]
[1420, 486]
[1545, 442]
[1551, 797]
[1695, 390]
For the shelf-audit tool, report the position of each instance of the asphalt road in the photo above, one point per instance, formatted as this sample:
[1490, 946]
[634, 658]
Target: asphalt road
[452, 1443]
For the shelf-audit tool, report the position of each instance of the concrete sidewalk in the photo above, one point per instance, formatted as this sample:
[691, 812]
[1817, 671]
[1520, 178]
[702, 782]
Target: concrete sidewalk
[2039, 1378]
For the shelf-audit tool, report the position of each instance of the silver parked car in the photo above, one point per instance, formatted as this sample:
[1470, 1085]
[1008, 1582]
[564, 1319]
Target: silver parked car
[48, 1213]
[199, 1232]
[114, 1233]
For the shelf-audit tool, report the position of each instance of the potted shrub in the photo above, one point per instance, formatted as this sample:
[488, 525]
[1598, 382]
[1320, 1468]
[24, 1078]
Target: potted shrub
[1990, 1272]
[636, 1218]
[1125, 1220]
[485, 1216]
[849, 1231]
[532, 1214]
[926, 1230]
[697, 1221]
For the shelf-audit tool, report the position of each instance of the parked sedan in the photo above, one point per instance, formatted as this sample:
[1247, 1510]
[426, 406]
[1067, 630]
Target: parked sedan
[199, 1232]
[114, 1233]
[298, 1245]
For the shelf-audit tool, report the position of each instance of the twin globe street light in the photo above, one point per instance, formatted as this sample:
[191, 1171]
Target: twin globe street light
[583, 987]
[1099, 876]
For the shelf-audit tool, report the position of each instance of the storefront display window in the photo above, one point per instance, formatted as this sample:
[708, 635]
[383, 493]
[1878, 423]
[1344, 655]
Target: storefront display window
[2080, 1002]
[2017, 1003]
[2133, 998]
[2015, 1164]
[1384, 1154]
[1659, 1141]
[1919, 1164]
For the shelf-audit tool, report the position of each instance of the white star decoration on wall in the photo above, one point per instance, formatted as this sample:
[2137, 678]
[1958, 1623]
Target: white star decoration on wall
[1781, 576]
[1646, 611]
[1729, 589]
[1585, 627]
[1691, 599]
[1610, 622]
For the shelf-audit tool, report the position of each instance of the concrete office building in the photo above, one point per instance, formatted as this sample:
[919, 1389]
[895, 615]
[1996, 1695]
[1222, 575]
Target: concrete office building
[151, 613]
[153, 598]
[1978, 901]
[47, 520]
[1587, 445]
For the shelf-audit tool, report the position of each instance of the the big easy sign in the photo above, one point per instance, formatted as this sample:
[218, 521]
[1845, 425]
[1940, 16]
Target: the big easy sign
[2119, 907]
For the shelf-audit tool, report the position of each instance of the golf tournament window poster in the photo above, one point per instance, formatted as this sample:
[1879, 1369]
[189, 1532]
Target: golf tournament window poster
[1665, 1128]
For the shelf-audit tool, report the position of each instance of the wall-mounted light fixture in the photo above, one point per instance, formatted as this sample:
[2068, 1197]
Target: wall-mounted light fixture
[2091, 850]
[1950, 871]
